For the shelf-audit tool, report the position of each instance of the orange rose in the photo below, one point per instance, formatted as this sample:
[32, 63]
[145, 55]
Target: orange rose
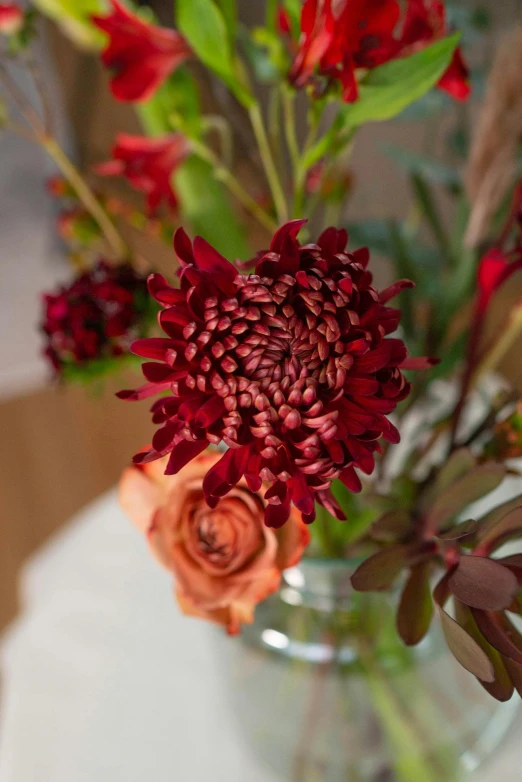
[224, 560]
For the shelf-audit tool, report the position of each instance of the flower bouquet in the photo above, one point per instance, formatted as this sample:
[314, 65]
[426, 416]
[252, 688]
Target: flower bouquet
[274, 489]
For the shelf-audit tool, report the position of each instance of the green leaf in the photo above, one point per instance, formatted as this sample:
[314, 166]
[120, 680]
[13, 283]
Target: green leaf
[427, 203]
[265, 54]
[205, 205]
[203, 25]
[74, 17]
[389, 88]
[229, 11]
[203, 201]
[416, 606]
[174, 105]
[475, 484]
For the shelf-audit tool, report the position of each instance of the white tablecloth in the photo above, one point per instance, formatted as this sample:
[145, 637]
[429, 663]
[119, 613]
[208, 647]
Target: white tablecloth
[104, 681]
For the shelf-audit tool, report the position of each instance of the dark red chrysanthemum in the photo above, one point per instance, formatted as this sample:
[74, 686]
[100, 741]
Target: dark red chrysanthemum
[148, 164]
[97, 316]
[142, 55]
[339, 37]
[290, 367]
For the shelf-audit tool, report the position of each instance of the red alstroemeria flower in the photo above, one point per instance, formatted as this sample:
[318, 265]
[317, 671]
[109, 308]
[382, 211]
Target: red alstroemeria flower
[148, 164]
[339, 37]
[142, 55]
[425, 22]
[494, 269]
[11, 18]
[290, 367]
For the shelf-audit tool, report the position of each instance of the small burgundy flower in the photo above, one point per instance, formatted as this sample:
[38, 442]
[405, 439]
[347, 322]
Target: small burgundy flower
[142, 55]
[96, 316]
[148, 164]
[11, 18]
[290, 367]
[339, 37]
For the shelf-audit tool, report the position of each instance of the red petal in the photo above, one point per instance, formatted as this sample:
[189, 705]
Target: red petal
[394, 290]
[209, 260]
[183, 453]
[183, 246]
[291, 229]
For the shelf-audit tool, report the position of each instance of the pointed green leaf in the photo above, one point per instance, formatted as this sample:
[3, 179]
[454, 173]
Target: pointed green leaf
[389, 88]
[74, 17]
[175, 105]
[203, 25]
[229, 11]
[205, 206]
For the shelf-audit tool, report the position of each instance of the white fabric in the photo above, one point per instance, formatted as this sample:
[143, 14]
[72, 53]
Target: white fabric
[104, 681]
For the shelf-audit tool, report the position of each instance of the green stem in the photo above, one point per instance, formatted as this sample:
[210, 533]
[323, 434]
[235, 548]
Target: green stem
[411, 763]
[300, 175]
[86, 196]
[265, 152]
[290, 131]
[222, 173]
[70, 172]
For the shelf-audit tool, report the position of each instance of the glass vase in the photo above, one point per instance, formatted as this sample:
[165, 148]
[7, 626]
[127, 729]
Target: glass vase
[324, 690]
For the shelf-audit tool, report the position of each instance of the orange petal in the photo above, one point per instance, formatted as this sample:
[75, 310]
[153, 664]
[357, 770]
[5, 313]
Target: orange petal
[139, 497]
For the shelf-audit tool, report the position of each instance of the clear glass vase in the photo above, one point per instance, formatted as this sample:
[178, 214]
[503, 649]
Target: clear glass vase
[324, 690]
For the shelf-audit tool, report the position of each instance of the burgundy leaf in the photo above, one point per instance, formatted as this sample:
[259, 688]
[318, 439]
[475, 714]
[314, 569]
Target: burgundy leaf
[515, 673]
[475, 484]
[380, 570]
[501, 688]
[483, 583]
[459, 464]
[466, 651]
[393, 525]
[505, 527]
[462, 530]
[492, 518]
[416, 606]
[500, 633]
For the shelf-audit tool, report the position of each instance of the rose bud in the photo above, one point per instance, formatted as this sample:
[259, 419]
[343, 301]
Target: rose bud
[224, 560]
